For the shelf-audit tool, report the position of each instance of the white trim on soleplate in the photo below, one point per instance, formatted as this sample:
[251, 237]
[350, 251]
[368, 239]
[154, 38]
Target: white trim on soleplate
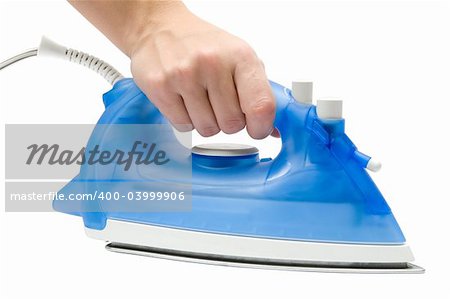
[248, 247]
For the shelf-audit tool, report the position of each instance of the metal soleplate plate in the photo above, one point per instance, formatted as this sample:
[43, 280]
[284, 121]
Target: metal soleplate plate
[369, 268]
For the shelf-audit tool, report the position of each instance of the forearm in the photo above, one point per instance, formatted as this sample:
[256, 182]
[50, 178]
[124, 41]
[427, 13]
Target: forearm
[124, 22]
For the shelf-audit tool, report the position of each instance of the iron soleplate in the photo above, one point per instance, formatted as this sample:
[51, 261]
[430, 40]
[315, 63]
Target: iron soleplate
[368, 268]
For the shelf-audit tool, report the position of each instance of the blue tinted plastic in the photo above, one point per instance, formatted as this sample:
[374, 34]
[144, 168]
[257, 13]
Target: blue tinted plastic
[315, 189]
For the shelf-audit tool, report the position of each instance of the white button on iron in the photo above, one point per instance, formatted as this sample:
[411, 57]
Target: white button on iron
[302, 91]
[373, 165]
[329, 108]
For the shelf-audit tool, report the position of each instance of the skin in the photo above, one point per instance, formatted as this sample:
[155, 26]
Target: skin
[198, 75]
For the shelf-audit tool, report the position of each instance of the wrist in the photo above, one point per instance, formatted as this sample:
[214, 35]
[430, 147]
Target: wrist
[149, 18]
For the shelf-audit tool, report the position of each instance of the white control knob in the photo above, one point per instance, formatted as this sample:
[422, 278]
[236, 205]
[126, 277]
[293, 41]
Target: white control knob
[302, 91]
[329, 108]
[373, 165]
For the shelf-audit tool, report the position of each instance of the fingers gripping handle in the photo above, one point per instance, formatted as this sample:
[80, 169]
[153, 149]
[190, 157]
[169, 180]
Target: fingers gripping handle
[125, 100]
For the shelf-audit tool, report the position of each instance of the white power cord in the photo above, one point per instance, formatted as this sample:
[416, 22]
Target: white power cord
[18, 57]
[49, 48]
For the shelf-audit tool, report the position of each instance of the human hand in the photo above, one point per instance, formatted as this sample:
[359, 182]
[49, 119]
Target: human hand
[200, 76]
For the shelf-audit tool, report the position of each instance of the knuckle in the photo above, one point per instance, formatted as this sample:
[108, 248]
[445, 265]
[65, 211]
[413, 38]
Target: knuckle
[180, 72]
[208, 58]
[208, 130]
[244, 51]
[157, 80]
[232, 125]
[263, 107]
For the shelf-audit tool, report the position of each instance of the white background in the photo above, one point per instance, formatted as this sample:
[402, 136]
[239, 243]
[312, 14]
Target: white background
[388, 60]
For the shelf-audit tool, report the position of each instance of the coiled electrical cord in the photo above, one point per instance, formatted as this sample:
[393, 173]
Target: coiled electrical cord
[101, 67]
[52, 49]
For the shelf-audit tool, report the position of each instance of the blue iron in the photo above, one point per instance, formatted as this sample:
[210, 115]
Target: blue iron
[313, 207]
